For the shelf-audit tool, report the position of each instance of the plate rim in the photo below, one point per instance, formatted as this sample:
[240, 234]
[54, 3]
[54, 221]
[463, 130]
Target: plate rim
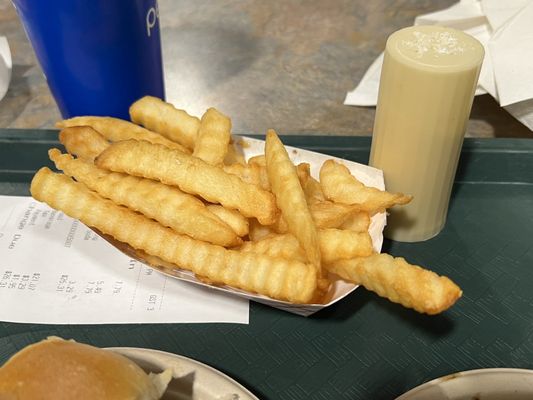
[180, 357]
[463, 374]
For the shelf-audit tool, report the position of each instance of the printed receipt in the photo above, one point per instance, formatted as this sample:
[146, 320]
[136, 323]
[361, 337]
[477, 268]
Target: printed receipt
[55, 270]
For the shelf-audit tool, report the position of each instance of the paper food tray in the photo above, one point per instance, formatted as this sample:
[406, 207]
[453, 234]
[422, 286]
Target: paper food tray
[339, 288]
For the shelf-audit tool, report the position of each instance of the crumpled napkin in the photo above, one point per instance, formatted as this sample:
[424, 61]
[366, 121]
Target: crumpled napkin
[5, 66]
[505, 28]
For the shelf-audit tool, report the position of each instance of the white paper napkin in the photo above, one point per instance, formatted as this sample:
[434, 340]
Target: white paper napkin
[5, 66]
[505, 28]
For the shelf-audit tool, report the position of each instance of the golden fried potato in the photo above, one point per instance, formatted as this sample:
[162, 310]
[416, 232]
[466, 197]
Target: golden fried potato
[167, 204]
[276, 245]
[234, 219]
[340, 186]
[191, 175]
[338, 244]
[274, 277]
[303, 170]
[400, 282]
[335, 244]
[357, 222]
[83, 141]
[290, 197]
[313, 191]
[162, 117]
[259, 160]
[234, 154]
[213, 137]
[280, 226]
[249, 173]
[327, 214]
[258, 231]
[114, 130]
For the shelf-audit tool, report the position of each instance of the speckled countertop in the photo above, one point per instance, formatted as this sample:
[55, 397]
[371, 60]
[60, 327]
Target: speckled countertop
[285, 64]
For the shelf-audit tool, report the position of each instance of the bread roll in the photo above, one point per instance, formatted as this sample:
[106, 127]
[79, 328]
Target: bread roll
[63, 369]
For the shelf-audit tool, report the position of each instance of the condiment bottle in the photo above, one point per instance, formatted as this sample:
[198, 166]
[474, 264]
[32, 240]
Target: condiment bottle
[427, 86]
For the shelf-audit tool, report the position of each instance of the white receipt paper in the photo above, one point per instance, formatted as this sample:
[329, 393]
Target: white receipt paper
[55, 270]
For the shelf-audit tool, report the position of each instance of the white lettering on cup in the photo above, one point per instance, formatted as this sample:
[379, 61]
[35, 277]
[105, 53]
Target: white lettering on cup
[151, 17]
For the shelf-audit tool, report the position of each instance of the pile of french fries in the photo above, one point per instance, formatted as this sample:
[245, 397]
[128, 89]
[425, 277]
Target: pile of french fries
[177, 189]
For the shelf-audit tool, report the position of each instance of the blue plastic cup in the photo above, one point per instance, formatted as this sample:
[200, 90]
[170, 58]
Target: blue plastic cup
[98, 56]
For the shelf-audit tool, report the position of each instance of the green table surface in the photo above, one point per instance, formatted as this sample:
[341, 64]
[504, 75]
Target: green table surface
[363, 347]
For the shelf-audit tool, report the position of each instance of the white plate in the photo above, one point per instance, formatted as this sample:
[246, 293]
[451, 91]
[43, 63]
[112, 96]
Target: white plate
[193, 380]
[479, 384]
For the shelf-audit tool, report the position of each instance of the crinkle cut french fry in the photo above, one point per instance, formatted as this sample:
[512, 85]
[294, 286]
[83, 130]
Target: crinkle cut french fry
[162, 117]
[340, 186]
[280, 226]
[326, 214]
[259, 160]
[276, 245]
[303, 170]
[335, 244]
[357, 222]
[156, 262]
[313, 191]
[290, 197]
[258, 231]
[213, 137]
[400, 282]
[249, 173]
[274, 277]
[191, 175]
[115, 130]
[234, 154]
[338, 244]
[232, 218]
[83, 141]
[168, 205]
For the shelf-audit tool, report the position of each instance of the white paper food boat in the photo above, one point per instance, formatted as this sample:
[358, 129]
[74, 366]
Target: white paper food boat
[339, 289]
